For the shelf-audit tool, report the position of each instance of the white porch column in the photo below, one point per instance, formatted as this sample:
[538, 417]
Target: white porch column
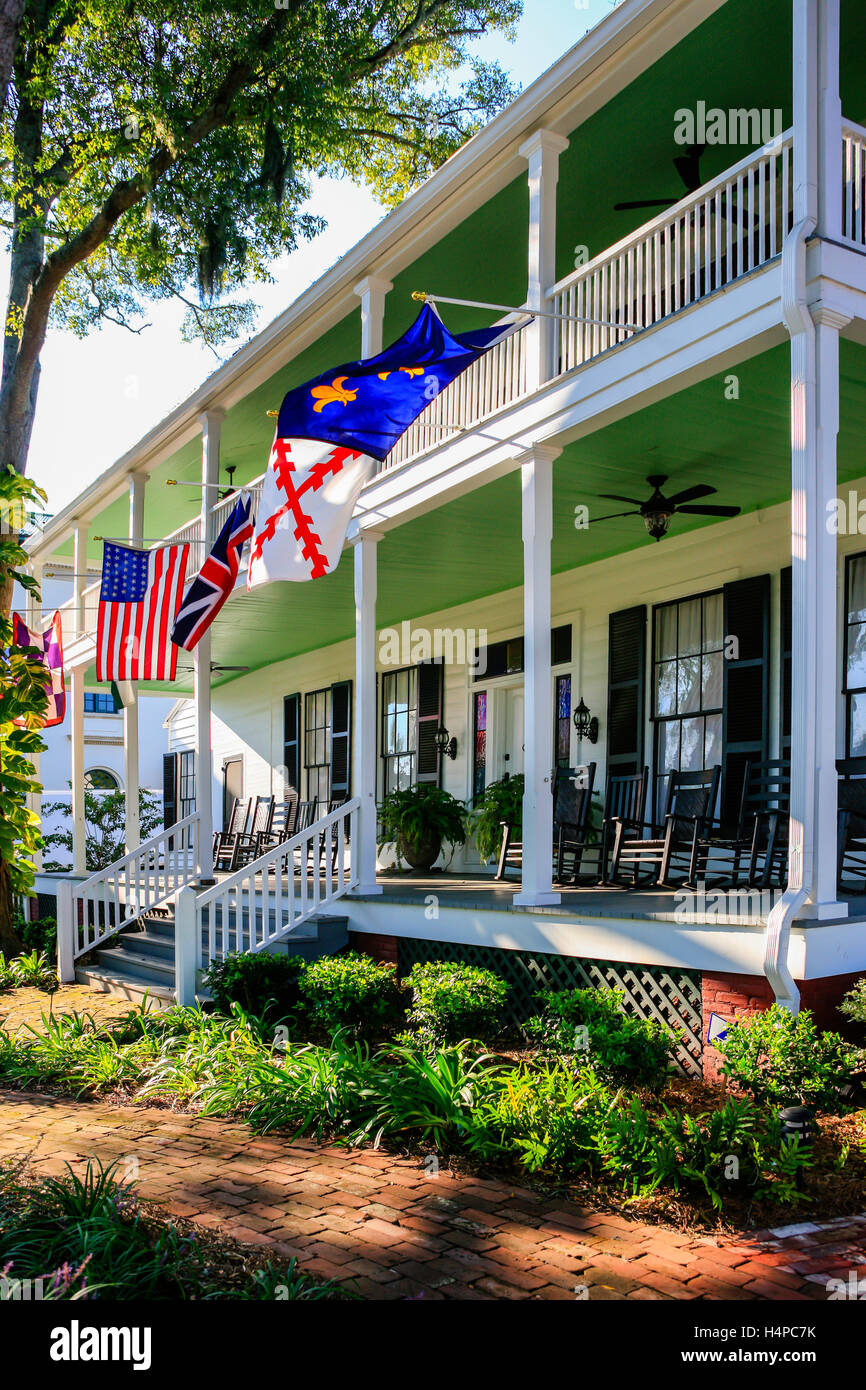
[76, 721]
[536, 468]
[542, 151]
[364, 747]
[211, 429]
[79, 578]
[829, 122]
[137, 483]
[371, 291]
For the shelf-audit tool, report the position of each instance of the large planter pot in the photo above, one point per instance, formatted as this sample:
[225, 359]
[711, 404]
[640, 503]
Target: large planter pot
[422, 855]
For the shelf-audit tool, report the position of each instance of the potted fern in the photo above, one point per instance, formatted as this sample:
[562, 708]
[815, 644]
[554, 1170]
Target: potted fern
[500, 802]
[418, 820]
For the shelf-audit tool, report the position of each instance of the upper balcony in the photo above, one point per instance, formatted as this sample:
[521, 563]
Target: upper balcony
[731, 228]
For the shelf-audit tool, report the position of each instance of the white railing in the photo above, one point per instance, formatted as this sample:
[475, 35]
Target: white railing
[89, 913]
[853, 182]
[726, 229]
[266, 900]
[496, 379]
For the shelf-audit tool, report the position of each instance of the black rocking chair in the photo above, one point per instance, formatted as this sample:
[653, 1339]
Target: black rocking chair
[673, 847]
[225, 841]
[757, 849]
[572, 795]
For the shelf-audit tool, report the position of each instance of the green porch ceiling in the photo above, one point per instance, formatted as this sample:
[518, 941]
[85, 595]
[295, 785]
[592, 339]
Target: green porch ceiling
[470, 547]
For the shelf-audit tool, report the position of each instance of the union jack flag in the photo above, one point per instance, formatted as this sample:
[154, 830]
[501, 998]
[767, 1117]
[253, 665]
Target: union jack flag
[332, 430]
[140, 595]
[215, 580]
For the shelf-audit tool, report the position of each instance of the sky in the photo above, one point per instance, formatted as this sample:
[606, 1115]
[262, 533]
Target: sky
[99, 395]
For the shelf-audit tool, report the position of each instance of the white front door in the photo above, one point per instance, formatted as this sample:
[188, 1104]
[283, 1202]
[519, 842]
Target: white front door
[512, 730]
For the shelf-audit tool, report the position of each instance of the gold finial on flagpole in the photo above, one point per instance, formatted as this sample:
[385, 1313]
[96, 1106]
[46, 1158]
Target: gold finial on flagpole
[420, 294]
[171, 482]
[273, 414]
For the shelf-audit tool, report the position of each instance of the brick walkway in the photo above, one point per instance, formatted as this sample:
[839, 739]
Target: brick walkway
[398, 1232]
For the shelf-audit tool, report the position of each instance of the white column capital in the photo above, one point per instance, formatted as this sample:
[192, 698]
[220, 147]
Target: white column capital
[373, 284]
[538, 453]
[366, 535]
[211, 415]
[544, 142]
[823, 315]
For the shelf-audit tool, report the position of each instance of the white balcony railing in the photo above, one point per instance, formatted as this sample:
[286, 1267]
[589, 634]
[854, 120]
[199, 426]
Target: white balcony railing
[726, 229]
[495, 380]
[853, 182]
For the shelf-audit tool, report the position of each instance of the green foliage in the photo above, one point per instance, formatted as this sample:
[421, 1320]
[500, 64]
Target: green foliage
[262, 984]
[545, 1116]
[451, 1001]
[782, 1059]
[854, 1003]
[416, 816]
[38, 936]
[84, 1237]
[349, 991]
[591, 1026]
[501, 801]
[104, 826]
[23, 700]
[24, 970]
[167, 148]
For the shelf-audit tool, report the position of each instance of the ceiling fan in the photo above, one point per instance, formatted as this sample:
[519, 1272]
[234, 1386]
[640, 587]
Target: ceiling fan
[688, 166]
[657, 511]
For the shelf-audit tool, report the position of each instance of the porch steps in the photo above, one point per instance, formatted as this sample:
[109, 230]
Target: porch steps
[142, 960]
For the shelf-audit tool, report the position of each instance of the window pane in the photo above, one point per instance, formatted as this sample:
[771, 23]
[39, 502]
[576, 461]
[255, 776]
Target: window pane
[689, 685]
[669, 745]
[855, 670]
[857, 744]
[689, 640]
[711, 680]
[692, 747]
[713, 622]
[857, 589]
[713, 740]
[666, 632]
[666, 688]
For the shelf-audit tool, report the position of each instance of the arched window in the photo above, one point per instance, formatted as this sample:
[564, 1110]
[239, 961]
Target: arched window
[99, 779]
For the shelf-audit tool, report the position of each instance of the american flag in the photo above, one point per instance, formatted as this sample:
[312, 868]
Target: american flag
[215, 580]
[140, 595]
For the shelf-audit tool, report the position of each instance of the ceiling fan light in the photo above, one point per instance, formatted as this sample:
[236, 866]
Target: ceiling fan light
[657, 523]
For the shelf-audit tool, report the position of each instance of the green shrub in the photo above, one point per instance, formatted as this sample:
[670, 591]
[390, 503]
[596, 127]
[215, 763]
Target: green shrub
[38, 936]
[33, 970]
[590, 1025]
[264, 985]
[546, 1115]
[452, 1001]
[854, 1003]
[350, 991]
[782, 1059]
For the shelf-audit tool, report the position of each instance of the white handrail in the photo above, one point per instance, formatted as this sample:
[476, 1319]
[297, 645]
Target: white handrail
[264, 901]
[726, 229]
[118, 895]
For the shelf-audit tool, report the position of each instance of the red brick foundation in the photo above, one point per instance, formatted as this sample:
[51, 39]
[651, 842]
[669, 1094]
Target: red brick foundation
[739, 996]
[380, 947]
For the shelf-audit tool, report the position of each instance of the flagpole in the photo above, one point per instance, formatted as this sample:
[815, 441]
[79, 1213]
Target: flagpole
[426, 298]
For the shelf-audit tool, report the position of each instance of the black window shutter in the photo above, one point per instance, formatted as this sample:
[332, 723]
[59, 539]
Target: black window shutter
[626, 684]
[747, 685]
[341, 738]
[786, 645]
[292, 741]
[427, 761]
[169, 789]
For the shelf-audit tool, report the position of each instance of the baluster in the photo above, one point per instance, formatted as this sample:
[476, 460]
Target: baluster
[657, 275]
[858, 191]
[341, 852]
[305, 868]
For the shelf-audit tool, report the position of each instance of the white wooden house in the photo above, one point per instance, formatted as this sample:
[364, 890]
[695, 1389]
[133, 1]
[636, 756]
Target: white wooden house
[717, 336]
